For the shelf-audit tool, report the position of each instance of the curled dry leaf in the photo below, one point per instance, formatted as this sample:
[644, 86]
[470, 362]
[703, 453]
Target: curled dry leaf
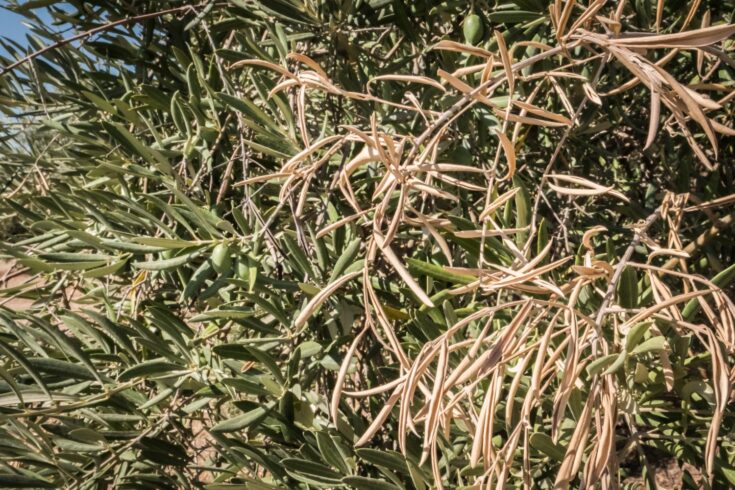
[408, 79]
[588, 188]
[696, 38]
[321, 297]
[462, 48]
[510, 155]
[587, 237]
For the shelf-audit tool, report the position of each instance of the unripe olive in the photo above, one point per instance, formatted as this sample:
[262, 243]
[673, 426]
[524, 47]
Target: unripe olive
[473, 29]
[221, 260]
[242, 269]
[641, 373]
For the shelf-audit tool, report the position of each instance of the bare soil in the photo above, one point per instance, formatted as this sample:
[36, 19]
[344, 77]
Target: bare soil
[9, 279]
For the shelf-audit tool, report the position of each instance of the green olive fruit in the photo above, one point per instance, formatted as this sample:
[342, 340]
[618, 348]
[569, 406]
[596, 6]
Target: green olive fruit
[641, 373]
[473, 29]
[221, 260]
[242, 268]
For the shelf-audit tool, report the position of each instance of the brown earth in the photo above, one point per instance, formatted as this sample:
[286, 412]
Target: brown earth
[668, 475]
[9, 278]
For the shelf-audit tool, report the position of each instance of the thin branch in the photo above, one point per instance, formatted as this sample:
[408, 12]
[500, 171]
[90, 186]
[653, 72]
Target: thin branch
[640, 231]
